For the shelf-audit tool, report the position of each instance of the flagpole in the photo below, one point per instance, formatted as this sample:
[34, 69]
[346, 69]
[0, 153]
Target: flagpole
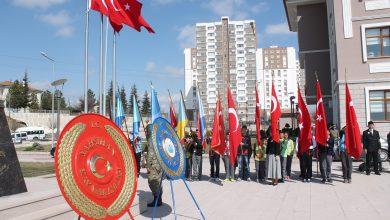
[114, 76]
[105, 70]
[86, 60]
[185, 108]
[101, 64]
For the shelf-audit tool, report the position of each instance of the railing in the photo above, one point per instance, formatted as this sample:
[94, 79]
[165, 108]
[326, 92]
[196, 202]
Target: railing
[13, 110]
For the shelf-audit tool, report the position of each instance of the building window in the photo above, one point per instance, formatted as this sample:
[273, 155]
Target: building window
[378, 42]
[380, 105]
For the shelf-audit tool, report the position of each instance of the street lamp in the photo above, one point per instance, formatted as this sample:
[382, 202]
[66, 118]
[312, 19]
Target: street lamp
[52, 100]
[292, 98]
[56, 83]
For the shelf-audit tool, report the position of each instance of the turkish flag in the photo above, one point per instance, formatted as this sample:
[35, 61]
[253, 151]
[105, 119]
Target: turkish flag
[99, 5]
[353, 141]
[131, 11]
[235, 136]
[258, 118]
[218, 142]
[305, 135]
[276, 112]
[321, 126]
[172, 115]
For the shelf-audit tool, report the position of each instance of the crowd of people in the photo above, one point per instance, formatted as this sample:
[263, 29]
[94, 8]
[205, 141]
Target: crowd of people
[273, 160]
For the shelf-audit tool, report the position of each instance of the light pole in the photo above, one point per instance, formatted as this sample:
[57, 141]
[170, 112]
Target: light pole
[292, 102]
[52, 100]
[58, 93]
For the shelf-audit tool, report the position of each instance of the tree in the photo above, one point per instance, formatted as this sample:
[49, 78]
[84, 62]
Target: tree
[16, 99]
[91, 102]
[46, 100]
[122, 94]
[133, 93]
[145, 104]
[26, 91]
[60, 98]
[109, 99]
[34, 103]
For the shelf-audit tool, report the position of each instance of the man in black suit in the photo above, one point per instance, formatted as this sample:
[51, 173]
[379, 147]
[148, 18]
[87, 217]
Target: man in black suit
[371, 144]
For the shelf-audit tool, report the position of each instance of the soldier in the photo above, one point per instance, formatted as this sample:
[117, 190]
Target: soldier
[153, 169]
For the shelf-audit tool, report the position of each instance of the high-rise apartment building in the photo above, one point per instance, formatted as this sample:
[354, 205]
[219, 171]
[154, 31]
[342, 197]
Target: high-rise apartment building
[225, 54]
[277, 64]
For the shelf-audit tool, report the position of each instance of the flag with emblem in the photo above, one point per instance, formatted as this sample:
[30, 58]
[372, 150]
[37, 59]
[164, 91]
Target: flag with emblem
[276, 112]
[235, 136]
[353, 141]
[321, 134]
[304, 120]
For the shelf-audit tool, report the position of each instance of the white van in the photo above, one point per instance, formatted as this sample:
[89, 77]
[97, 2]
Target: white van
[33, 133]
[16, 138]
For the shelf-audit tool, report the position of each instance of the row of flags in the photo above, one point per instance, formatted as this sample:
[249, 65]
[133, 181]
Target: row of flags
[218, 141]
[352, 131]
[121, 12]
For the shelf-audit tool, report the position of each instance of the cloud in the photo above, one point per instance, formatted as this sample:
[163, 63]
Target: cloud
[41, 85]
[43, 4]
[150, 66]
[235, 9]
[61, 20]
[66, 31]
[281, 28]
[187, 36]
[177, 72]
[162, 2]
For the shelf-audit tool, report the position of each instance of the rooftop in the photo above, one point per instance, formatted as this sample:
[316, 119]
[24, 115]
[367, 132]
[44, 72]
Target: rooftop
[9, 83]
[291, 6]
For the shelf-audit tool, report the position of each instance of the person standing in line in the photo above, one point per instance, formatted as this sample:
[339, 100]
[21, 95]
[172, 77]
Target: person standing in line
[346, 160]
[214, 159]
[137, 145]
[197, 157]
[273, 162]
[326, 154]
[189, 151]
[371, 145]
[260, 159]
[229, 168]
[289, 153]
[244, 149]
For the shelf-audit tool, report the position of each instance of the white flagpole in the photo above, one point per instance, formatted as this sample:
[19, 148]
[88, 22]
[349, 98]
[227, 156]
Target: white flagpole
[86, 59]
[105, 70]
[101, 65]
[114, 76]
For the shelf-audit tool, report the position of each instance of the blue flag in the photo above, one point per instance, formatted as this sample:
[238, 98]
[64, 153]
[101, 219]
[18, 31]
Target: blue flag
[156, 112]
[136, 118]
[137, 141]
[120, 114]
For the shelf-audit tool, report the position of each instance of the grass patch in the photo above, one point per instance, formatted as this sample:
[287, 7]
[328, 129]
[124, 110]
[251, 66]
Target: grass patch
[41, 148]
[30, 169]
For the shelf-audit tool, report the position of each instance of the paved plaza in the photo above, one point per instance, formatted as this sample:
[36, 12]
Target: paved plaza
[368, 197]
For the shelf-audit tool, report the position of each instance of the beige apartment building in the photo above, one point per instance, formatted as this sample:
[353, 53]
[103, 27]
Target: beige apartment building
[346, 41]
[225, 54]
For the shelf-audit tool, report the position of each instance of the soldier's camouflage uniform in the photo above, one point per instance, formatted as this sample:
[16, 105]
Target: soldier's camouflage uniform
[155, 171]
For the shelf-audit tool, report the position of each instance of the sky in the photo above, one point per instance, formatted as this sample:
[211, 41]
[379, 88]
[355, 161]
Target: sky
[57, 27]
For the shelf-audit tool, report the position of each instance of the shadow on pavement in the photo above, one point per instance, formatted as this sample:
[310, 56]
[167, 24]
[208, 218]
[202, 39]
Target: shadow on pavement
[161, 212]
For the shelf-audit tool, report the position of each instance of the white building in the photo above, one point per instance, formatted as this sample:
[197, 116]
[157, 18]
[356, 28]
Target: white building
[280, 65]
[225, 54]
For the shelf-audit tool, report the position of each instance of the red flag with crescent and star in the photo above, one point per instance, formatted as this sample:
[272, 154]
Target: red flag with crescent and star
[172, 114]
[276, 112]
[305, 135]
[218, 142]
[321, 125]
[235, 136]
[353, 141]
[258, 118]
